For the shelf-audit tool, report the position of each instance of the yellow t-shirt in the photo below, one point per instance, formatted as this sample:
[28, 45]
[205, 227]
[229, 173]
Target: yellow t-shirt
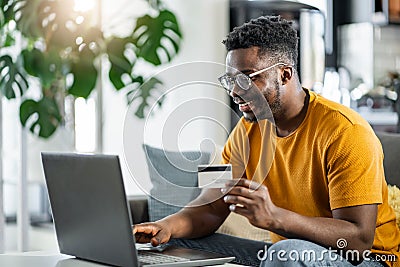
[333, 160]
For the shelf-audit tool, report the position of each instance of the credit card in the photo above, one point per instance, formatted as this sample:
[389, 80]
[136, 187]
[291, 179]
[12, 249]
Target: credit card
[214, 176]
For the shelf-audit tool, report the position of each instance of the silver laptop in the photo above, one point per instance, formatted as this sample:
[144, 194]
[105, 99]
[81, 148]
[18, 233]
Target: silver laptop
[92, 218]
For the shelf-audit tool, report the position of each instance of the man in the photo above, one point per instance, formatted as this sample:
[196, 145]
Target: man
[322, 190]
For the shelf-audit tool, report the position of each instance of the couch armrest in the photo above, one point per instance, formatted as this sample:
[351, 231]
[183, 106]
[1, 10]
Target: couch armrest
[139, 208]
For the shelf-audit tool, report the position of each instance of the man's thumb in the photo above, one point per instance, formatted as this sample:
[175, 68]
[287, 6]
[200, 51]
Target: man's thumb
[155, 241]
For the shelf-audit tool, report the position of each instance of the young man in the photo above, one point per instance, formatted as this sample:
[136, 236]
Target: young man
[312, 173]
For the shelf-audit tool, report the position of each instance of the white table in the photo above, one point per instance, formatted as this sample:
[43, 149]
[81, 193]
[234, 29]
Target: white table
[51, 259]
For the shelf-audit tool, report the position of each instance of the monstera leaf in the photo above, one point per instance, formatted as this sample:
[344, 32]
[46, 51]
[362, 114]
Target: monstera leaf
[85, 74]
[44, 114]
[11, 79]
[120, 64]
[144, 93]
[28, 22]
[56, 41]
[53, 20]
[44, 65]
[50, 19]
[152, 35]
[7, 11]
[7, 40]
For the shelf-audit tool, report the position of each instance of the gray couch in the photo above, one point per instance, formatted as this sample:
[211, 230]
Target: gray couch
[139, 205]
[391, 147]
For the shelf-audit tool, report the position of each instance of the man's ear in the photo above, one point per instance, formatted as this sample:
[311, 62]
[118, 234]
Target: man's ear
[286, 75]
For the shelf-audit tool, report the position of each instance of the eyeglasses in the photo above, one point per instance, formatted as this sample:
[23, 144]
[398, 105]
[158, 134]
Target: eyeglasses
[241, 79]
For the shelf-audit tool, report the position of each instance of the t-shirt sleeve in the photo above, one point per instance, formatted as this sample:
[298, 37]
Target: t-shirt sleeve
[354, 168]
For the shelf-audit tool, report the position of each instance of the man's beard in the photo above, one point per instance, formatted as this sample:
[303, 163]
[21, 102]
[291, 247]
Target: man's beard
[275, 105]
[273, 109]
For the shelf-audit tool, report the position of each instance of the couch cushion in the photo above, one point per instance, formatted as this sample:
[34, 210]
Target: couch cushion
[394, 201]
[239, 226]
[173, 175]
[138, 205]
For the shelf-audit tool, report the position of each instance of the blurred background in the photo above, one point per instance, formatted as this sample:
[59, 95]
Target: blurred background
[348, 52]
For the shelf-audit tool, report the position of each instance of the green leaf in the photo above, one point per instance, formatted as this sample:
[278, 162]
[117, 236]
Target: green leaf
[46, 116]
[85, 74]
[32, 61]
[9, 40]
[150, 34]
[137, 82]
[120, 64]
[54, 22]
[144, 93]
[7, 11]
[115, 76]
[44, 65]
[51, 26]
[6, 35]
[11, 79]
[28, 21]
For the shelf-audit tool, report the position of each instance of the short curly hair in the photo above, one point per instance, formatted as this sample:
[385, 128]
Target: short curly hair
[272, 34]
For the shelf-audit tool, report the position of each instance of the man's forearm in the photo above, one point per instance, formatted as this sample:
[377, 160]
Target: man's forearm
[193, 222]
[201, 217]
[320, 230]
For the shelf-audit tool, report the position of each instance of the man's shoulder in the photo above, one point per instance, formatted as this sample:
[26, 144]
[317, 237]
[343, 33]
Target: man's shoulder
[330, 121]
[335, 114]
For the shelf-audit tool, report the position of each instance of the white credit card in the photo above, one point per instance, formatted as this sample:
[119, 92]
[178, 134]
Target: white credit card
[214, 176]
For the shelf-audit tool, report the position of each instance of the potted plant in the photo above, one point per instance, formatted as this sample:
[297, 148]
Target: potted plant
[60, 47]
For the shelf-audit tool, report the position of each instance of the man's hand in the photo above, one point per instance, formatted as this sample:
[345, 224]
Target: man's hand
[251, 200]
[154, 233]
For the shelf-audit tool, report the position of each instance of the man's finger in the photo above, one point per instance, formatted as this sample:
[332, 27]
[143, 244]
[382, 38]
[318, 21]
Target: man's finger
[147, 228]
[145, 232]
[155, 241]
[159, 238]
[243, 182]
[142, 238]
[254, 185]
[235, 199]
[239, 210]
[243, 191]
[235, 182]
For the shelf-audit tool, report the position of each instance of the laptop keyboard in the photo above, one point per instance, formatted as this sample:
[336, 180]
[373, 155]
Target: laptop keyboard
[148, 257]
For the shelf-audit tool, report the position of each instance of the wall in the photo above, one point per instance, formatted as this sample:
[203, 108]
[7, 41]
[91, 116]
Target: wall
[356, 51]
[204, 25]
[369, 51]
[386, 51]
